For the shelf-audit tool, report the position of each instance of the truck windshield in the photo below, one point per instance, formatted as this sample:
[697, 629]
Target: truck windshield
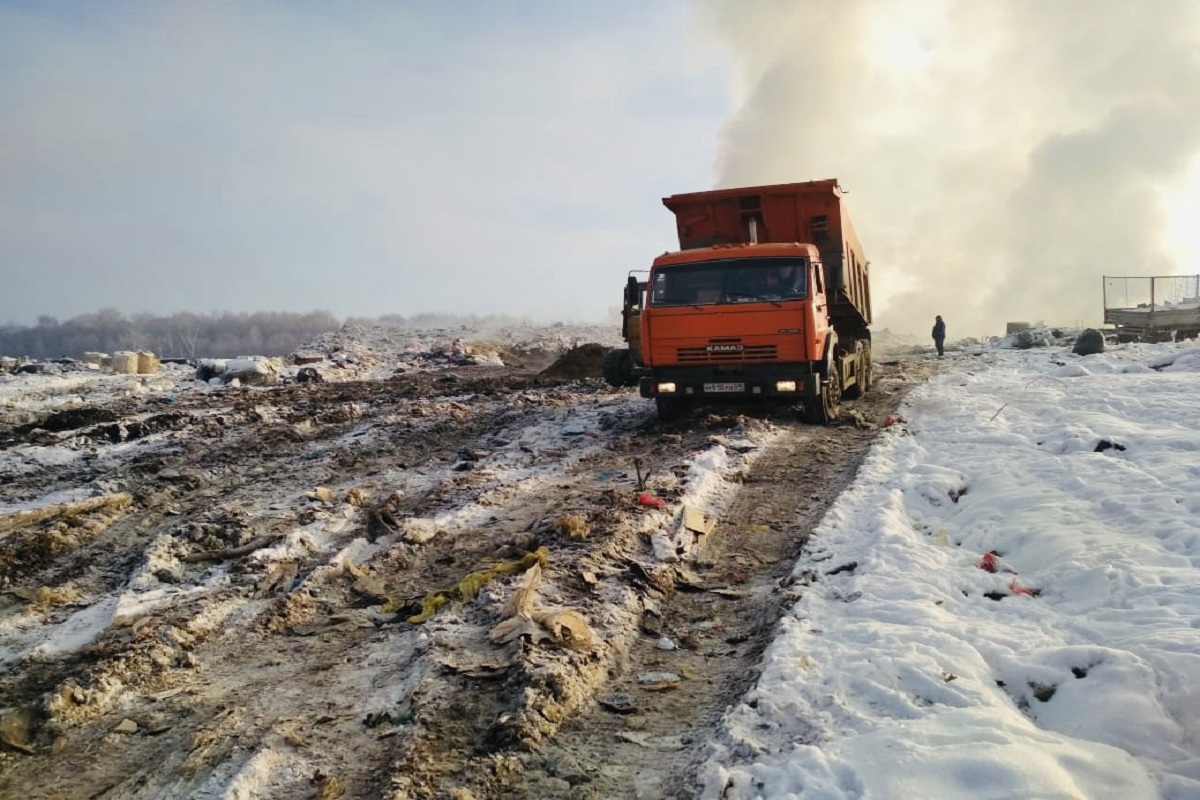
[742, 280]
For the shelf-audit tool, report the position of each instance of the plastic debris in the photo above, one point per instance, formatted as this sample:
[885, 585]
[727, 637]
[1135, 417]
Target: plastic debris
[1017, 589]
[657, 681]
[468, 587]
[618, 703]
[650, 501]
[563, 626]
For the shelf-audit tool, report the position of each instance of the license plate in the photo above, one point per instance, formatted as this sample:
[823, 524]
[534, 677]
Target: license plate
[716, 388]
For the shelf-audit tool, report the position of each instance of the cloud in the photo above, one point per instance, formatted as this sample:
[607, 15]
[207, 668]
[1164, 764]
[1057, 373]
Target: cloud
[1000, 157]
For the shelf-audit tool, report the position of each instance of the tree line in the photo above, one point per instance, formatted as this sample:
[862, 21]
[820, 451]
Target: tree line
[215, 335]
[180, 335]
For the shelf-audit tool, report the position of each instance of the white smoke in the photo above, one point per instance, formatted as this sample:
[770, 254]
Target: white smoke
[1000, 157]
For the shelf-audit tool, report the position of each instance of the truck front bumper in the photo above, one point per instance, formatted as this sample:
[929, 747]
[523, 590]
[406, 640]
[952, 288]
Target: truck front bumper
[703, 386]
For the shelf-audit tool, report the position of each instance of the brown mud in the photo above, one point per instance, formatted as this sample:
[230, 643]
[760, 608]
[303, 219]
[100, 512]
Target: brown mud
[265, 594]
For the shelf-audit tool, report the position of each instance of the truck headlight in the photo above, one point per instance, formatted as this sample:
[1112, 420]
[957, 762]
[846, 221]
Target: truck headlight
[666, 388]
[785, 386]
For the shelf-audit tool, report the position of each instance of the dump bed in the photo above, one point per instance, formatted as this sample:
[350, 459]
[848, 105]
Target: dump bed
[810, 212]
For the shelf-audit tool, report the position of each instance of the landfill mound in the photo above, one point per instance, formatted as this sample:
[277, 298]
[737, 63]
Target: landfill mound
[582, 361]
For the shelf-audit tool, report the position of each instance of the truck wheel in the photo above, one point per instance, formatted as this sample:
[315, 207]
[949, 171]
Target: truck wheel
[670, 408]
[617, 367]
[825, 410]
[862, 372]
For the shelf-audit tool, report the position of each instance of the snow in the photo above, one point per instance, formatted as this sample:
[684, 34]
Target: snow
[895, 674]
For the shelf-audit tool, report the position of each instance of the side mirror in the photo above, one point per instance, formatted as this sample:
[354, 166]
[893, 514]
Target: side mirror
[631, 291]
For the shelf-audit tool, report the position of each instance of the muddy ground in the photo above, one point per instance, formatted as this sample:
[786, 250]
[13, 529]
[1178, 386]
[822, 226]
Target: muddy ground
[448, 583]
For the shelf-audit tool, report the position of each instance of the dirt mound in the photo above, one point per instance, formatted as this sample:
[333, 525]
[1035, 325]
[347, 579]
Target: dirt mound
[578, 362]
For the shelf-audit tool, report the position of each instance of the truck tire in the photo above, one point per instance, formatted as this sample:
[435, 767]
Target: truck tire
[863, 372]
[670, 408]
[617, 367]
[827, 408]
[868, 368]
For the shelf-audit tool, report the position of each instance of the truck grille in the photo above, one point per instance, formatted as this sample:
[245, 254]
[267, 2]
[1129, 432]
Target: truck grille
[750, 352]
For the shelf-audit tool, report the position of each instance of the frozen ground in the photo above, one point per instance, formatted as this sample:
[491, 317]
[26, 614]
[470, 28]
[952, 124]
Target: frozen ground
[462, 566]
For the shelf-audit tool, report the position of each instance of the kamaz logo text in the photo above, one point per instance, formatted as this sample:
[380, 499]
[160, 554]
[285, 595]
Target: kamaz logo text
[724, 348]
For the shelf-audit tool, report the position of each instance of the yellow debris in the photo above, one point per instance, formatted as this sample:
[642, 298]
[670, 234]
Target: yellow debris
[572, 525]
[469, 586]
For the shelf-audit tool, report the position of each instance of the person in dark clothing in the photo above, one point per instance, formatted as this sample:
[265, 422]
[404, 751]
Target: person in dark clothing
[939, 334]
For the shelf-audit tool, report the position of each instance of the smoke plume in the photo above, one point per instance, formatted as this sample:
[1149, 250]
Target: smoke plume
[1000, 158]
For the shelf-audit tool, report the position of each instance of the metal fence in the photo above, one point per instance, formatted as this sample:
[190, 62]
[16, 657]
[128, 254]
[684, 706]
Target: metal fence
[1150, 292]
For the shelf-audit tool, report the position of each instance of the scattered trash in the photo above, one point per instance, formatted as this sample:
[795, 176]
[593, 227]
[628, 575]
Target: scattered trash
[322, 493]
[618, 703]
[469, 586]
[1042, 692]
[697, 521]
[563, 626]
[417, 530]
[1105, 444]
[1089, 342]
[650, 501]
[15, 730]
[665, 643]
[309, 375]
[658, 681]
[990, 562]
[572, 525]
[1015, 589]
[687, 580]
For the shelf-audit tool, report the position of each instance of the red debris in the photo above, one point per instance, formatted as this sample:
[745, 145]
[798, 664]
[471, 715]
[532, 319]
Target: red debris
[647, 499]
[1015, 589]
[988, 562]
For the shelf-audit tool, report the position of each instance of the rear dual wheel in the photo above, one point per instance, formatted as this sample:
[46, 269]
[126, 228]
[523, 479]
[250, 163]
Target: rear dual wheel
[617, 367]
[863, 372]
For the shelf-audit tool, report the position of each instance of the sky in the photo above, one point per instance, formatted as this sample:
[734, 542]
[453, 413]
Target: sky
[510, 158]
[1064, 665]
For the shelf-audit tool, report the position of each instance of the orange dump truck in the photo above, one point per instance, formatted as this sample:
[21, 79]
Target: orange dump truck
[767, 299]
